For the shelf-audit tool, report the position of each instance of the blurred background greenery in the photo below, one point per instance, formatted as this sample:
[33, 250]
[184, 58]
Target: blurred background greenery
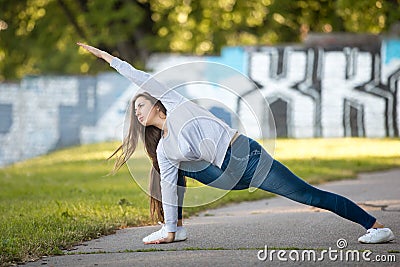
[38, 36]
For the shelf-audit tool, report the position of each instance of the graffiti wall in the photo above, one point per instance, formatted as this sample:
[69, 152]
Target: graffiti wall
[312, 91]
[317, 93]
[42, 114]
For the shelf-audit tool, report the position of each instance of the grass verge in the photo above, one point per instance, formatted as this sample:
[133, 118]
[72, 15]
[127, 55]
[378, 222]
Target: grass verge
[61, 199]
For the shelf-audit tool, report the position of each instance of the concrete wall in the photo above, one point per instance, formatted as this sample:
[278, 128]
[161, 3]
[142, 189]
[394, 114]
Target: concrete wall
[311, 91]
[42, 114]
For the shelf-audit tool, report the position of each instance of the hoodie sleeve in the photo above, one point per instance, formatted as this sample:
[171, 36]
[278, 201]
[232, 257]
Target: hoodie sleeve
[169, 192]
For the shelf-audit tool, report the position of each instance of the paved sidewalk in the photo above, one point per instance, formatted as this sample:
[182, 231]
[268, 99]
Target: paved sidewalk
[234, 235]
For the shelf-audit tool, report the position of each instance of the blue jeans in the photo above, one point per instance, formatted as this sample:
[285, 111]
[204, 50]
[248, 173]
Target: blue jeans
[247, 164]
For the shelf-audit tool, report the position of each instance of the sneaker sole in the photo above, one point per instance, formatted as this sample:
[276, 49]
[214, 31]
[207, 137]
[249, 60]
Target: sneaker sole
[175, 240]
[179, 240]
[381, 242]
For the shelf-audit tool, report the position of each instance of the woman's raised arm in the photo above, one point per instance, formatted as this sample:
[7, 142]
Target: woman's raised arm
[124, 68]
[97, 52]
[169, 98]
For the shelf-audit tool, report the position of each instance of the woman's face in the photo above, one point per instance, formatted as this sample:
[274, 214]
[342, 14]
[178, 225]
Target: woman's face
[145, 111]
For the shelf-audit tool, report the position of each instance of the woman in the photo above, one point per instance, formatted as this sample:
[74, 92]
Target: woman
[183, 139]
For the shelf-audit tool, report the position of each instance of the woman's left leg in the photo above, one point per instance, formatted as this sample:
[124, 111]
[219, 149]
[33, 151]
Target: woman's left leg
[280, 180]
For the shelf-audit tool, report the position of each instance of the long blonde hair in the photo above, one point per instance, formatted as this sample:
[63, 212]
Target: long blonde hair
[150, 135]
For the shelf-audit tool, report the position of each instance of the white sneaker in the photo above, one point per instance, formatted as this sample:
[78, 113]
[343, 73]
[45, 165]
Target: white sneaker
[180, 234]
[377, 235]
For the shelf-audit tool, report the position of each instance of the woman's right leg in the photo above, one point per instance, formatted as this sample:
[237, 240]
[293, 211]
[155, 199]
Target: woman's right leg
[207, 174]
[181, 194]
[280, 180]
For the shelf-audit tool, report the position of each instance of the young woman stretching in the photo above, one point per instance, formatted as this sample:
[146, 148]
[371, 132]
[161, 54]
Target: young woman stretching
[183, 139]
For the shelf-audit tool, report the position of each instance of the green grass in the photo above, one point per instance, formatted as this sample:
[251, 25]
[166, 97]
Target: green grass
[58, 200]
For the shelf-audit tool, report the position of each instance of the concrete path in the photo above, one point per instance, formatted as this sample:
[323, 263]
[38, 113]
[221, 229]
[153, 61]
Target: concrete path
[238, 235]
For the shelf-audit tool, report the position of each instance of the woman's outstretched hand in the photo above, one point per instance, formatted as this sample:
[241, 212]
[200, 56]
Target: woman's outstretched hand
[97, 52]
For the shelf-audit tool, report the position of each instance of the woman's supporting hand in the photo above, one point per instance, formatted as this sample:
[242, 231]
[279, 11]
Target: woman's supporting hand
[97, 52]
[170, 238]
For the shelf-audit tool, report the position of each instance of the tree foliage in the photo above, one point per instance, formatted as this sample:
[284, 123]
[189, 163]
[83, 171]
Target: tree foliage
[39, 36]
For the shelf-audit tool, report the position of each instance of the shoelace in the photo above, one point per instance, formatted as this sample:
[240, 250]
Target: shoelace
[372, 231]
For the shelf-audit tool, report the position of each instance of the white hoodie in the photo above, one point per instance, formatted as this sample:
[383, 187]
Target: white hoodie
[194, 134]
